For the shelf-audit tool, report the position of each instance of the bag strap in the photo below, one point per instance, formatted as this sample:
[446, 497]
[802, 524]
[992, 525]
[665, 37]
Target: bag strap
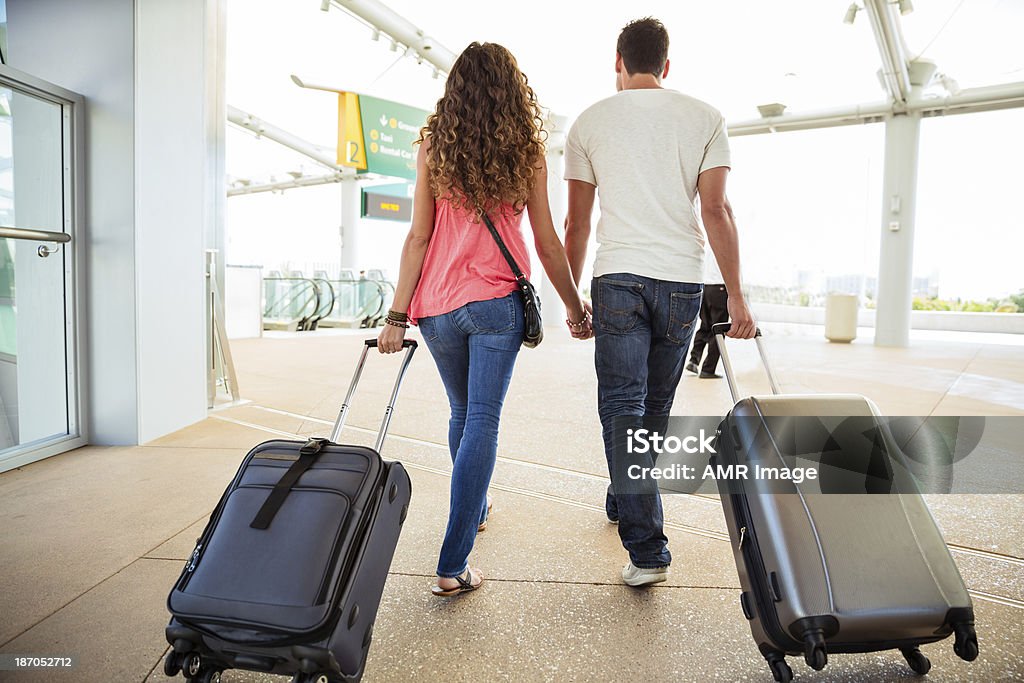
[501, 245]
[274, 501]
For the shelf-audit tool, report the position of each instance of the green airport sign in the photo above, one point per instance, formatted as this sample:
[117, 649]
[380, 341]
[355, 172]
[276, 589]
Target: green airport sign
[376, 136]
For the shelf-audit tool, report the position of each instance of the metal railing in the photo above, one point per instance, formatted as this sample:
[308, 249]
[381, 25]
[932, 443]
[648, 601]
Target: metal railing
[303, 303]
[34, 235]
[362, 303]
[290, 303]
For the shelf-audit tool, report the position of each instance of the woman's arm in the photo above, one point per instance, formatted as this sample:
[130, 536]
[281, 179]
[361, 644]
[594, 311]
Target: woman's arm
[549, 247]
[413, 252]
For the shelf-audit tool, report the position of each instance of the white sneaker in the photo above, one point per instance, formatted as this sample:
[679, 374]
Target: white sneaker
[641, 576]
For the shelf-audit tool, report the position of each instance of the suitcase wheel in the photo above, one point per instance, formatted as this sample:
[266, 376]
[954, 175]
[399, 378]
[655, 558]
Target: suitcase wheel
[209, 676]
[816, 658]
[172, 664]
[191, 666]
[310, 678]
[966, 644]
[191, 663]
[814, 650]
[781, 671]
[919, 664]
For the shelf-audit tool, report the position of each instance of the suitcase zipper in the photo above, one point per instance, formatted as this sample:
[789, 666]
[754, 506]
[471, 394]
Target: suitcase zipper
[757, 573]
[190, 565]
[194, 560]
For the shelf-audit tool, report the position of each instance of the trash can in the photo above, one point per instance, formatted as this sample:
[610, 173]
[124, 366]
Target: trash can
[841, 317]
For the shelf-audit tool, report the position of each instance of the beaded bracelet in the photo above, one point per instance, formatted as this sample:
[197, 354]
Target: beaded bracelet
[578, 327]
[395, 323]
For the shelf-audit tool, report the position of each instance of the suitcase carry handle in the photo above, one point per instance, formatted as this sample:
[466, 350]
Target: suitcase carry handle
[719, 330]
[406, 343]
[410, 346]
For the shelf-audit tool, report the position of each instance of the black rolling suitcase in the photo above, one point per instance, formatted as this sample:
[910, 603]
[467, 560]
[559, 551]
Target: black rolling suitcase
[825, 573]
[288, 574]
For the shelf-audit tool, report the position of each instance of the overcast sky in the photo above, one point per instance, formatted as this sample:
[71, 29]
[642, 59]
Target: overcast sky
[805, 201]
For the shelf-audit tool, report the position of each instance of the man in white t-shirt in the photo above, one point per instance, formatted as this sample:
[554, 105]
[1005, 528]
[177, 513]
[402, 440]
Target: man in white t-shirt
[651, 151]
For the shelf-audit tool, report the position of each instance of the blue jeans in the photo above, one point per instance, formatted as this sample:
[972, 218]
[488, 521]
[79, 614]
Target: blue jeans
[475, 349]
[642, 329]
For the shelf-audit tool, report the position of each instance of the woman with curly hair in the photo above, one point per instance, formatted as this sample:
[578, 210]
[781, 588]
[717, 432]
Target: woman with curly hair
[481, 152]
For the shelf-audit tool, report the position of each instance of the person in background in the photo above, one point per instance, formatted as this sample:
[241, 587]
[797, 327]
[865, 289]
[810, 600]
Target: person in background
[651, 151]
[714, 308]
[482, 152]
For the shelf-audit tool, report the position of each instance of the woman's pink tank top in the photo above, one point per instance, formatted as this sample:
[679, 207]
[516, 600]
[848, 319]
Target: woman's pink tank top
[463, 262]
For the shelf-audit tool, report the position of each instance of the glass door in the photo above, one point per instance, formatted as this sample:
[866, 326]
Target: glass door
[41, 412]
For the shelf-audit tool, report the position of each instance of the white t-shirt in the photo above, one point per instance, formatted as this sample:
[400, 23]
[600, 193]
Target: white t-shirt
[644, 149]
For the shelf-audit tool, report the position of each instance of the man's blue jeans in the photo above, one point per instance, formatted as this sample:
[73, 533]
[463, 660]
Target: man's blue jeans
[475, 349]
[642, 329]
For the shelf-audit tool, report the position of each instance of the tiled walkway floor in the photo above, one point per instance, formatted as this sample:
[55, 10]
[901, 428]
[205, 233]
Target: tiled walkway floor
[92, 540]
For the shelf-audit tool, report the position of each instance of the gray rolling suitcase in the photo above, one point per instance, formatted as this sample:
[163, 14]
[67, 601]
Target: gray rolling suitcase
[288, 574]
[825, 573]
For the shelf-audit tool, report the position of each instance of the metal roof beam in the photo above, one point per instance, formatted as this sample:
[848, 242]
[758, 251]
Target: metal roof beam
[283, 137]
[885, 24]
[384, 19]
[971, 100]
[398, 28]
[279, 186]
[826, 118]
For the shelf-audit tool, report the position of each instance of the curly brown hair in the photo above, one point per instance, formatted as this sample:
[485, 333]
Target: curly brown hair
[486, 133]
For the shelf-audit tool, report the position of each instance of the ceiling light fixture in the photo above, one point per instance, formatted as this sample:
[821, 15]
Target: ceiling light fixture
[771, 110]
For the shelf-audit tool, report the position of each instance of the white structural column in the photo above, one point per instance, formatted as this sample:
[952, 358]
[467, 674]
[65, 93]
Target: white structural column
[351, 199]
[554, 309]
[215, 122]
[896, 248]
[173, 175]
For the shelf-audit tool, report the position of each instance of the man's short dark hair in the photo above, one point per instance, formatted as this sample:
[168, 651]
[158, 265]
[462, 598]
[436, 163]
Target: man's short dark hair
[643, 45]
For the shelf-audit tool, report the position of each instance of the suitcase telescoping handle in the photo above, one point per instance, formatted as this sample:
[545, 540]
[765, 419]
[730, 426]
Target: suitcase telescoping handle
[719, 330]
[410, 347]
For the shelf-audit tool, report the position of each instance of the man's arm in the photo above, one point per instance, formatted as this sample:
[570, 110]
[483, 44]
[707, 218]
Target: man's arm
[577, 225]
[720, 225]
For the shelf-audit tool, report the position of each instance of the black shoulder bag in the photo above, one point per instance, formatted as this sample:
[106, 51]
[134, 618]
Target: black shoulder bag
[533, 329]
